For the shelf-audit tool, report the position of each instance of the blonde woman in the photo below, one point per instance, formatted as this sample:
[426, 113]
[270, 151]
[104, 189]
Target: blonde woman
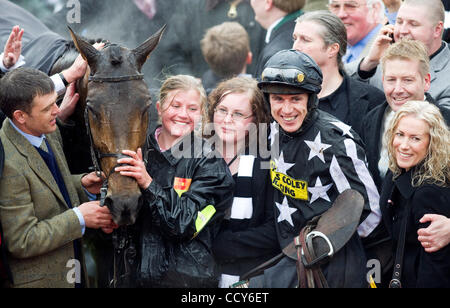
[418, 183]
[185, 198]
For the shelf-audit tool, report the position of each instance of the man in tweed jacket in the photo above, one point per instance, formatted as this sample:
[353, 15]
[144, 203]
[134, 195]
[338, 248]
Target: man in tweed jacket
[40, 207]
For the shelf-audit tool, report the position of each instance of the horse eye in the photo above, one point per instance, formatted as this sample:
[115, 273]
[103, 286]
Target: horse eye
[145, 110]
[92, 110]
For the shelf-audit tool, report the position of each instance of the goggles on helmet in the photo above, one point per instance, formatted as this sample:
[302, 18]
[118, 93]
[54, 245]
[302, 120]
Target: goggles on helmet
[288, 75]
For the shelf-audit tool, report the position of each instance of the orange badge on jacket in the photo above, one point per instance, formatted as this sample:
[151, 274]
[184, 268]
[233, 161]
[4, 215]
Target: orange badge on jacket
[181, 185]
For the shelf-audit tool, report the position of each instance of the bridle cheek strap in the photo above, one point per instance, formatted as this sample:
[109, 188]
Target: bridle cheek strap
[96, 156]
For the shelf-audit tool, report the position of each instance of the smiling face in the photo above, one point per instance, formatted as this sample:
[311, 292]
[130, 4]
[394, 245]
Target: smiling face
[356, 16]
[414, 23]
[411, 141]
[179, 114]
[289, 110]
[402, 82]
[232, 117]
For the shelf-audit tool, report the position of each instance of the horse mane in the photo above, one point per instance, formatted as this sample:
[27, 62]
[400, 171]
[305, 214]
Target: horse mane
[115, 56]
[66, 59]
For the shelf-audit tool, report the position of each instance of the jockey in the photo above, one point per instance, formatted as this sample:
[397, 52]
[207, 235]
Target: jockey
[319, 158]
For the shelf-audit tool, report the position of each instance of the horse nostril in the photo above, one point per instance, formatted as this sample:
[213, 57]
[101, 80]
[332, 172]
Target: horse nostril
[126, 212]
[124, 208]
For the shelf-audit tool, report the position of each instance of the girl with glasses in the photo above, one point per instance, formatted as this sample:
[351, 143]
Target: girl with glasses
[236, 117]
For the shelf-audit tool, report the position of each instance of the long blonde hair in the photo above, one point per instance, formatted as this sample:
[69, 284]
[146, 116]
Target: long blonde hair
[435, 168]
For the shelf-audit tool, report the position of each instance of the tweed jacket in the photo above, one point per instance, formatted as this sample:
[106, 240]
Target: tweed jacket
[39, 228]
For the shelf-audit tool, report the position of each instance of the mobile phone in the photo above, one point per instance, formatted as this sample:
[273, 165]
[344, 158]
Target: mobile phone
[392, 37]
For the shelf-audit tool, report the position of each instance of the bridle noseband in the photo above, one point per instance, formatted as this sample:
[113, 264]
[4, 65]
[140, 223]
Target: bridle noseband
[116, 79]
[97, 155]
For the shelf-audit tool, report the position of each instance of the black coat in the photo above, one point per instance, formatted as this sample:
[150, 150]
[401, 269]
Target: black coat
[280, 39]
[243, 244]
[420, 269]
[176, 228]
[180, 46]
[360, 98]
[371, 136]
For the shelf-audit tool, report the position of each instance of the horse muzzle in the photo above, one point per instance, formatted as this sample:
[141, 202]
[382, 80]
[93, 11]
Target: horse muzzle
[124, 208]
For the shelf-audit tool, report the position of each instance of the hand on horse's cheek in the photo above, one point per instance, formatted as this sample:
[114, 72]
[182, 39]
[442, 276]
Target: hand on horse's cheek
[135, 168]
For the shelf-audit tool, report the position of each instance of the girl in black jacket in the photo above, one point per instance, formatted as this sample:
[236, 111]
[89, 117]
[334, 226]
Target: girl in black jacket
[186, 190]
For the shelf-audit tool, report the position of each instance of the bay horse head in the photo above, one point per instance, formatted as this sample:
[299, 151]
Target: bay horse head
[117, 115]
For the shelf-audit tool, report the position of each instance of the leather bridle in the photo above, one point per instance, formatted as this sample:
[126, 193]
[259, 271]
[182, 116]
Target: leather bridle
[96, 155]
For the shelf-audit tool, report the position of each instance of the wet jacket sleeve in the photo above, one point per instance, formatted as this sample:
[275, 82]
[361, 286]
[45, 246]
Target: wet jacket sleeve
[209, 195]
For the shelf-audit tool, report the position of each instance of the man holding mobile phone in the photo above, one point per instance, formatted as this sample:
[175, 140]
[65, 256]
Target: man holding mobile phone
[421, 20]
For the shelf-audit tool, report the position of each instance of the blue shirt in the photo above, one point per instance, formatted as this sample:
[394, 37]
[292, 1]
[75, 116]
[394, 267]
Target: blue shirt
[353, 52]
[37, 141]
[392, 17]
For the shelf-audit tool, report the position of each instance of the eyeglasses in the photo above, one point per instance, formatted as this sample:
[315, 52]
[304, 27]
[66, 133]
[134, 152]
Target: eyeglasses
[349, 6]
[236, 116]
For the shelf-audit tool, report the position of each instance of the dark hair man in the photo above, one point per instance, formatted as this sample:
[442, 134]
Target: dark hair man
[40, 201]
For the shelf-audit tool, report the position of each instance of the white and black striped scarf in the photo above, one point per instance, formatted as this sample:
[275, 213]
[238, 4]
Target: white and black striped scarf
[242, 207]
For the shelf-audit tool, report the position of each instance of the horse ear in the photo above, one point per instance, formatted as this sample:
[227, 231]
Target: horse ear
[87, 51]
[143, 52]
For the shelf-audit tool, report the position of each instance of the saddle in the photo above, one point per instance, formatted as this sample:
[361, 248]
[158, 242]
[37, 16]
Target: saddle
[319, 240]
